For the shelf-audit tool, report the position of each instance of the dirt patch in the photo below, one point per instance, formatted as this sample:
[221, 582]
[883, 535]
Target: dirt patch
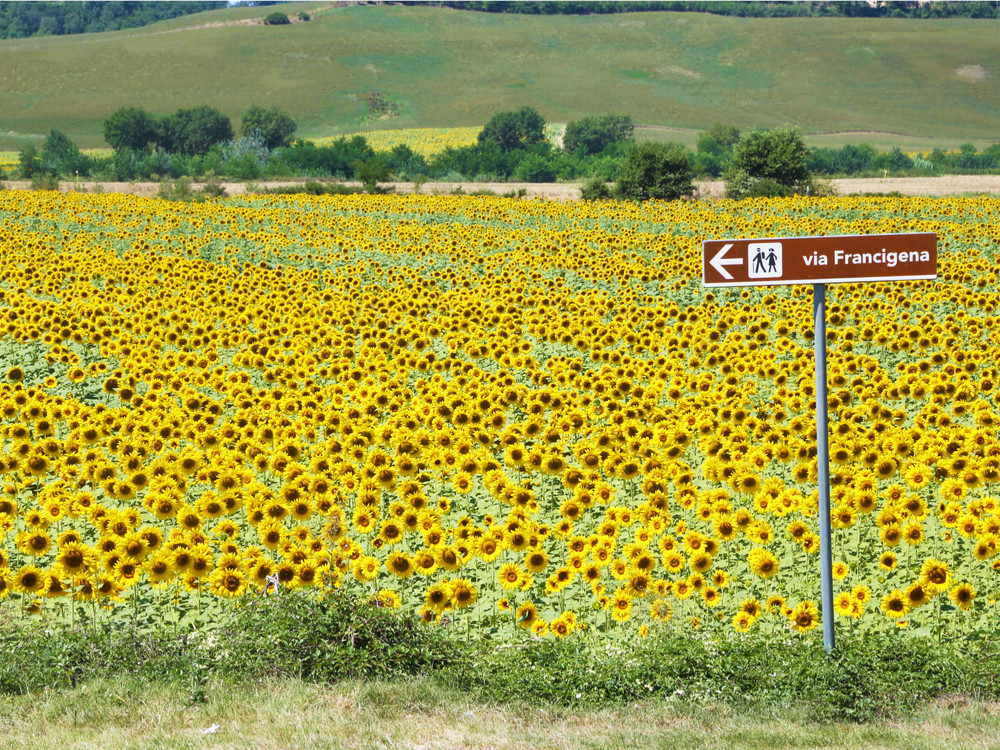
[972, 73]
[677, 70]
[570, 191]
[980, 184]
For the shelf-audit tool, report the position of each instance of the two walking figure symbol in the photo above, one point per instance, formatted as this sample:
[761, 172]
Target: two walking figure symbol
[771, 258]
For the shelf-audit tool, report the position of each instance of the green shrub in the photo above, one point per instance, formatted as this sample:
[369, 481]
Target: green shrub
[595, 189]
[276, 19]
[865, 678]
[193, 131]
[534, 168]
[130, 128]
[312, 187]
[371, 172]
[779, 156]
[60, 156]
[592, 135]
[659, 171]
[768, 188]
[44, 181]
[340, 637]
[514, 130]
[177, 190]
[274, 126]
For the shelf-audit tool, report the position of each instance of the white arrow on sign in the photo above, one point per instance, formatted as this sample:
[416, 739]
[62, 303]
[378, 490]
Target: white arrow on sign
[719, 264]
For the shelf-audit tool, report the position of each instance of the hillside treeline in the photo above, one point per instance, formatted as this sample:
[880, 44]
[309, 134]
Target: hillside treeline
[899, 9]
[19, 19]
[201, 142]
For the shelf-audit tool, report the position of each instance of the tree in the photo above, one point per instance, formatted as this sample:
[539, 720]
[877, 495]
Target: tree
[276, 19]
[514, 130]
[371, 172]
[715, 147]
[28, 162]
[273, 125]
[194, 131]
[655, 170]
[594, 134]
[535, 168]
[59, 155]
[779, 155]
[130, 127]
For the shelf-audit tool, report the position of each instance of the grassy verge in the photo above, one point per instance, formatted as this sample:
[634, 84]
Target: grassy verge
[419, 712]
[291, 636]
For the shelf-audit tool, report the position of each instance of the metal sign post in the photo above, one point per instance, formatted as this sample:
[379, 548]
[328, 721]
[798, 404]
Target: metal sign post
[823, 465]
[820, 261]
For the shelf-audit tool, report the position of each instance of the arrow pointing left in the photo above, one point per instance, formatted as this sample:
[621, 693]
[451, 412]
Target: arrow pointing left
[719, 262]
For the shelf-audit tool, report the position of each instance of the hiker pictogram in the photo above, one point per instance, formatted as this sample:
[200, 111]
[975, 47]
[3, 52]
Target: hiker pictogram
[764, 260]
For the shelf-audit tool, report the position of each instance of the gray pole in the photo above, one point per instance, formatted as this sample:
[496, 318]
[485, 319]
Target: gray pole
[823, 465]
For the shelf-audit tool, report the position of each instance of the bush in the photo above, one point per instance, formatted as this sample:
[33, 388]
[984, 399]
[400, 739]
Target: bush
[310, 187]
[406, 163]
[44, 181]
[272, 126]
[467, 161]
[514, 130]
[534, 168]
[659, 171]
[592, 135]
[130, 128]
[59, 155]
[28, 162]
[767, 188]
[276, 19]
[779, 155]
[371, 172]
[194, 131]
[595, 189]
[340, 637]
[866, 678]
[339, 159]
[244, 159]
[715, 148]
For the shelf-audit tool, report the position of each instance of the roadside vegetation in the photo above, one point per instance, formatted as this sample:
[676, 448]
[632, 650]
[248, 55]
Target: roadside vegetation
[200, 143]
[292, 636]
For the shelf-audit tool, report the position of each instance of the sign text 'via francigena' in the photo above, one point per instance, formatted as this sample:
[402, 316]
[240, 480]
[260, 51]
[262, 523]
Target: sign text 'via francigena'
[819, 260]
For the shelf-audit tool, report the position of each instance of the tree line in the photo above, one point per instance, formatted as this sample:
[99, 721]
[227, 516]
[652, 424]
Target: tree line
[20, 19]
[843, 8]
[201, 142]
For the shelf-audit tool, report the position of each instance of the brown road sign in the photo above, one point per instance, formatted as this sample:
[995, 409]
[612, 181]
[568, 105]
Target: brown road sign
[819, 260]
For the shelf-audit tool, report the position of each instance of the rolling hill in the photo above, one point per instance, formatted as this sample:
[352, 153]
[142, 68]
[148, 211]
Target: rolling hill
[912, 81]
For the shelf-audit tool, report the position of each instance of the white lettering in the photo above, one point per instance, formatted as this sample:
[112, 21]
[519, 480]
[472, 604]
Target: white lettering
[823, 260]
[891, 259]
[925, 256]
[838, 257]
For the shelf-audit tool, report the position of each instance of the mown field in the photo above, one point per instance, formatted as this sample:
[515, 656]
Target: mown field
[927, 82]
[491, 414]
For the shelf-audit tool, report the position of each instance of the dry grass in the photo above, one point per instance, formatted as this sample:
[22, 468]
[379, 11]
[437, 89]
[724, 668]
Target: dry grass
[419, 714]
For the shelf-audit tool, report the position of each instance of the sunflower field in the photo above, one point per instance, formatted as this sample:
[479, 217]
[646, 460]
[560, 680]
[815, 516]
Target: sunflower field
[495, 413]
[424, 141]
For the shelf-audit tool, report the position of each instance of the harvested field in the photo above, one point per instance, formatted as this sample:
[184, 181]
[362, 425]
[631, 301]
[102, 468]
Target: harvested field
[570, 191]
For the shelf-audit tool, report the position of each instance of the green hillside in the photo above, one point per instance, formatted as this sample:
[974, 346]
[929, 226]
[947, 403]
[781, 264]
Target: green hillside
[938, 80]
